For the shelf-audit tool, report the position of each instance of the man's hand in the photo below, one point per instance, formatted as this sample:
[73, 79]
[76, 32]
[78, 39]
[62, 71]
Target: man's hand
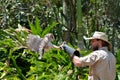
[76, 61]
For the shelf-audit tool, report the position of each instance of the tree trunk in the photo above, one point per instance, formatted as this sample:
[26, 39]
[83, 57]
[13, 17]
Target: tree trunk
[69, 11]
[79, 24]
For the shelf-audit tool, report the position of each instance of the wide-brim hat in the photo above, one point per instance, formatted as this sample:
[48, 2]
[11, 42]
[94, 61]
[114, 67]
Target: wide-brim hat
[101, 36]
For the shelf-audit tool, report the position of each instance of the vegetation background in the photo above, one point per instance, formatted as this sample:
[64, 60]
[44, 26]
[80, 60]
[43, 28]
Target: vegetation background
[68, 20]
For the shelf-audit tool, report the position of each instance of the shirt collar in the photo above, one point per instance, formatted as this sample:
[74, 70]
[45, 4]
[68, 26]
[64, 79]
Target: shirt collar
[103, 48]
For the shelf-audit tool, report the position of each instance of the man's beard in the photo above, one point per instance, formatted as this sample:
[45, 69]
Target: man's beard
[95, 47]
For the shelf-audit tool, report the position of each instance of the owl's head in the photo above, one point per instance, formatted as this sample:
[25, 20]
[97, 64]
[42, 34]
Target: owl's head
[50, 36]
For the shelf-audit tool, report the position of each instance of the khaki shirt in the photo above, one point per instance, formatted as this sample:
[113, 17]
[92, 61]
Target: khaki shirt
[102, 64]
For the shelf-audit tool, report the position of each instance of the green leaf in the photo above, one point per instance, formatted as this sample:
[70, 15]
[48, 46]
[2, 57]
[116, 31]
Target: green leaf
[49, 28]
[32, 27]
[38, 27]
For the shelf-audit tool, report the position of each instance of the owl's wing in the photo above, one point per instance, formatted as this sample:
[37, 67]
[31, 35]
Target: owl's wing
[43, 46]
[33, 42]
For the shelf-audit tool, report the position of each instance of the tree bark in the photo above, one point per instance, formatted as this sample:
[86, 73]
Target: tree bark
[69, 11]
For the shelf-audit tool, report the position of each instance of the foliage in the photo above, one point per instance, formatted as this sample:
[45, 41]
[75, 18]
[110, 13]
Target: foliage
[11, 43]
[37, 30]
[44, 16]
[17, 62]
[118, 64]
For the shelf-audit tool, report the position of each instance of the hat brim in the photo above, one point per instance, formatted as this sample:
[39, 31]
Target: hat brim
[90, 38]
[87, 38]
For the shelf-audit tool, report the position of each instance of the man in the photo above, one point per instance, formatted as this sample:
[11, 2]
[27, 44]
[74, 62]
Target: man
[101, 62]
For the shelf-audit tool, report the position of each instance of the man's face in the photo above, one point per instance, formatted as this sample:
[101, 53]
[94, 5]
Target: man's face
[95, 44]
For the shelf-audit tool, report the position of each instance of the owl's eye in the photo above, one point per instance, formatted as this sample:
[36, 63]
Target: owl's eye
[52, 37]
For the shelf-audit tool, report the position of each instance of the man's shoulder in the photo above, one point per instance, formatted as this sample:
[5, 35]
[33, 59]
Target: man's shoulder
[100, 53]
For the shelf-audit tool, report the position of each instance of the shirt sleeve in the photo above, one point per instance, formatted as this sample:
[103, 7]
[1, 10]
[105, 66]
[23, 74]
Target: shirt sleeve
[90, 59]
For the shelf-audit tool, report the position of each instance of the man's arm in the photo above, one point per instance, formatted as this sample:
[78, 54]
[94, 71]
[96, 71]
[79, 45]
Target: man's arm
[87, 60]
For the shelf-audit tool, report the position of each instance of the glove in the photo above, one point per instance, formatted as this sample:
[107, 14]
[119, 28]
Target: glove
[69, 50]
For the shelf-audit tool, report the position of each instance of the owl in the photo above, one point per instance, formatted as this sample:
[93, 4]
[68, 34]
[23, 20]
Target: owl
[40, 45]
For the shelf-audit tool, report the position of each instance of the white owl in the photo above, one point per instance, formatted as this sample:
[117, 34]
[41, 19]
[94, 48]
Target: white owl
[37, 44]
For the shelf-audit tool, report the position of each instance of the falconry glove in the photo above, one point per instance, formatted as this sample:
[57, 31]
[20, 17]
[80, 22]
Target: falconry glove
[69, 50]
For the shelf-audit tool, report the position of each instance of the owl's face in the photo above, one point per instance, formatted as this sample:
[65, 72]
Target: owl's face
[50, 36]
